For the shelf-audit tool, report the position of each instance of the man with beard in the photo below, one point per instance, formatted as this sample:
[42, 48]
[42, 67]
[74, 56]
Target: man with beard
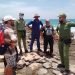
[64, 41]
[10, 39]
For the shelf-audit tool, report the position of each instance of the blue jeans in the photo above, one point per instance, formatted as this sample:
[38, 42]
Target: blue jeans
[37, 37]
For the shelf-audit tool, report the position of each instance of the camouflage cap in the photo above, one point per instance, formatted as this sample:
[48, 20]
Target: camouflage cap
[21, 14]
[62, 15]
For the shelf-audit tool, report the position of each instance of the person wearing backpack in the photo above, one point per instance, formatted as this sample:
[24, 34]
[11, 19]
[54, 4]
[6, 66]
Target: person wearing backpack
[48, 33]
[10, 39]
[10, 58]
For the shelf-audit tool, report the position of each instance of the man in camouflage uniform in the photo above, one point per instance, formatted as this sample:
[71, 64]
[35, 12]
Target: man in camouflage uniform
[21, 32]
[64, 41]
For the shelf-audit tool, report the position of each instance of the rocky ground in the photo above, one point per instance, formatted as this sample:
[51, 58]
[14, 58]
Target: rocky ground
[38, 64]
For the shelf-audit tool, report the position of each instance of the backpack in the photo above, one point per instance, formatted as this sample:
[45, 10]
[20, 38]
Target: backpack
[3, 47]
[1, 37]
[1, 34]
[49, 31]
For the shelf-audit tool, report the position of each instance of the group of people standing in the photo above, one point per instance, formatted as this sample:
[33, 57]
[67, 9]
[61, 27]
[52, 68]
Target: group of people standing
[10, 26]
[64, 40]
[47, 31]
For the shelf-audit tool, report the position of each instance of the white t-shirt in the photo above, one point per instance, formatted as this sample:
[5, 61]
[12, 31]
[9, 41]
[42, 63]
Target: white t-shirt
[10, 32]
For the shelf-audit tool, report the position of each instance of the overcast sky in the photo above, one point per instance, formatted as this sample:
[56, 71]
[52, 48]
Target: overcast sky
[45, 8]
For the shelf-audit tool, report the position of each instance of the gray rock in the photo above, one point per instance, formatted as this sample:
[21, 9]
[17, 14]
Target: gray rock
[56, 72]
[28, 57]
[50, 72]
[21, 62]
[28, 71]
[31, 56]
[42, 71]
[57, 57]
[41, 60]
[54, 65]
[35, 66]
[27, 63]
[25, 71]
[49, 60]
[47, 65]
[35, 56]
[55, 61]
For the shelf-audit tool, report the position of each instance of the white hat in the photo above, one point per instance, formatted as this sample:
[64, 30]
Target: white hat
[36, 15]
[7, 18]
[47, 19]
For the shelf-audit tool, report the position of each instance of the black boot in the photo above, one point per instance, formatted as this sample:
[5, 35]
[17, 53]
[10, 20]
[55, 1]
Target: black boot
[21, 52]
[26, 51]
[60, 66]
[51, 55]
[66, 72]
[40, 50]
[45, 51]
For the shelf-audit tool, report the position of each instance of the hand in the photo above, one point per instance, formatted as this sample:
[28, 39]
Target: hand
[29, 27]
[42, 27]
[56, 37]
